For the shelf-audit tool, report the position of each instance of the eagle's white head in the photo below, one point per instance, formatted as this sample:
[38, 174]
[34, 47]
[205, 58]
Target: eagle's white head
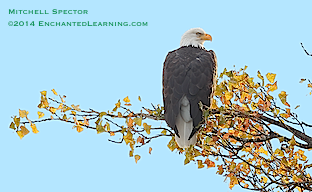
[195, 37]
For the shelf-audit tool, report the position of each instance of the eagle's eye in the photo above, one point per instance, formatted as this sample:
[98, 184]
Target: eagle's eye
[198, 33]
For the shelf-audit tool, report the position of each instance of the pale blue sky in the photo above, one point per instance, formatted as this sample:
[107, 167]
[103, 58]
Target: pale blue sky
[96, 66]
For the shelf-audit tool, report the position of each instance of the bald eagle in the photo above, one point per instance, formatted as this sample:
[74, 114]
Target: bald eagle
[189, 76]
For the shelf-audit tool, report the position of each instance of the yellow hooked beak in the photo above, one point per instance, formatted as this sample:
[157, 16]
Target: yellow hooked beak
[206, 37]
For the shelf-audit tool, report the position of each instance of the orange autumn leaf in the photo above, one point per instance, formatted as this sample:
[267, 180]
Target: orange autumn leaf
[150, 150]
[78, 128]
[130, 122]
[209, 163]
[140, 140]
[137, 158]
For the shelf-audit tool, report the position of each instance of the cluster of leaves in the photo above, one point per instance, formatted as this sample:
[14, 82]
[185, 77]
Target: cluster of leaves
[134, 132]
[239, 132]
[237, 135]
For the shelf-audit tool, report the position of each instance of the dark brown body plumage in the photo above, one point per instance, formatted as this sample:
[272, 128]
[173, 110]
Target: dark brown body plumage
[188, 71]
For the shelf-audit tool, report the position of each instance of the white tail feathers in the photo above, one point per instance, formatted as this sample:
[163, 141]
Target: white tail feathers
[184, 124]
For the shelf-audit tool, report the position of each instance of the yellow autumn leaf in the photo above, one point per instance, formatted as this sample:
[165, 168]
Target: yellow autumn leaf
[261, 150]
[172, 144]
[40, 114]
[43, 93]
[107, 125]
[138, 121]
[102, 114]
[118, 104]
[52, 110]
[78, 128]
[282, 97]
[273, 87]
[264, 179]
[128, 138]
[292, 141]
[137, 157]
[24, 130]
[23, 113]
[60, 106]
[164, 131]
[53, 90]
[200, 164]
[279, 152]
[233, 181]
[150, 150]
[16, 121]
[147, 128]
[12, 126]
[43, 102]
[139, 98]
[131, 153]
[126, 99]
[119, 115]
[20, 134]
[299, 189]
[34, 128]
[228, 95]
[270, 77]
[285, 115]
[76, 107]
[99, 129]
[297, 106]
[186, 160]
[261, 77]
[310, 85]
